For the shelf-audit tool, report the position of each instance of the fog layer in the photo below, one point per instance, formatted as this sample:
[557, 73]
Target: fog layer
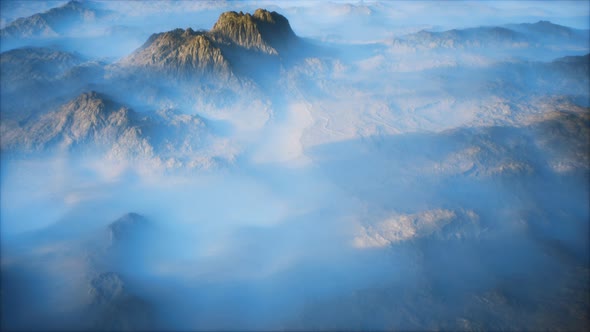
[367, 166]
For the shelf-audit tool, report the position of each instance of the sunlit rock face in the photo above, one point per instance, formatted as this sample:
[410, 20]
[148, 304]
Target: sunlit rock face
[202, 166]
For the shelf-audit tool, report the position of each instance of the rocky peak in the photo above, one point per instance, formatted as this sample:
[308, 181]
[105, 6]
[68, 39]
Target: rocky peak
[237, 41]
[182, 53]
[269, 32]
[88, 101]
[90, 117]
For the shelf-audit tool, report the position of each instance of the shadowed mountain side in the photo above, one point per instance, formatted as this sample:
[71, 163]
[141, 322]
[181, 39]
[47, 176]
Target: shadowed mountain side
[545, 30]
[482, 291]
[465, 38]
[98, 292]
[485, 169]
[527, 185]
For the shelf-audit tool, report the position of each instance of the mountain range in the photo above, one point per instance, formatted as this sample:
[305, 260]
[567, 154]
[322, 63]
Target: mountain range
[54, 22]
[437, 196]
[526, 35]
[221, 64]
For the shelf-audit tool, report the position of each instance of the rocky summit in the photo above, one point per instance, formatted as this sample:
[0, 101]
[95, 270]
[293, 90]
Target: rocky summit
[264, 31]
[186, 53]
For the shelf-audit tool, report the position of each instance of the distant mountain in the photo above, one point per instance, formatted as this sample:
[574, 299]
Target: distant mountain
[182, 53]
[546, 29]
[93, 119]
[521, 80]
[53, 22]
[467, 38]
[103, 277]
[220, 53]
[508, 36]
[574, 66]
[35, 64]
